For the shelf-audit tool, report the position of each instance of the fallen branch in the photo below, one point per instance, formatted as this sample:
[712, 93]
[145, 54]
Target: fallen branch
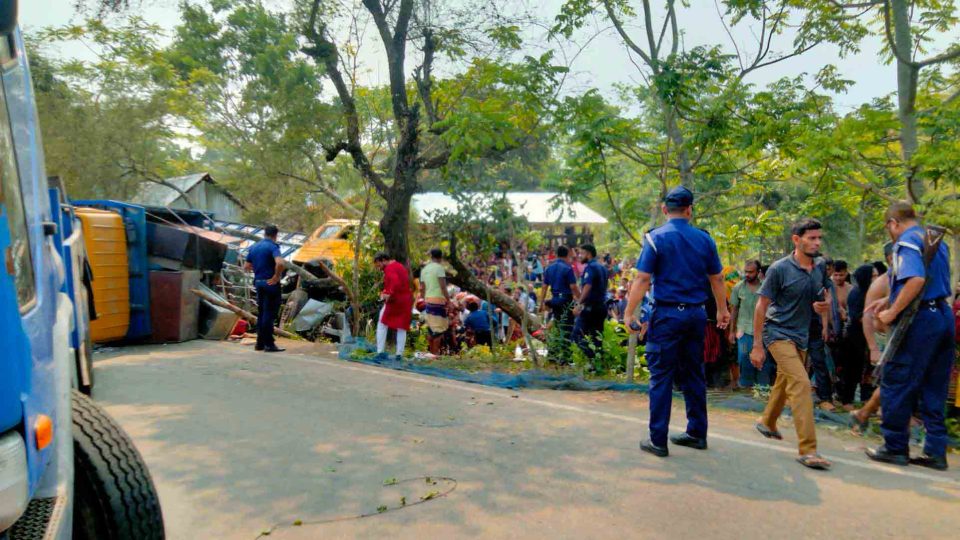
[239, 311]
[310, 278]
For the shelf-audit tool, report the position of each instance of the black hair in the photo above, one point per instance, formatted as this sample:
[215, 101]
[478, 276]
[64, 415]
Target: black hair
[881, 267]
[862, 277]
[562, 252]
[755, 262]
[590, 249]
[764, 268]
[472, 306]
[271, 231]
[840, 264]
[887, 250]
[901, 211]
[381, 256]
[806, 224]
[436, 253]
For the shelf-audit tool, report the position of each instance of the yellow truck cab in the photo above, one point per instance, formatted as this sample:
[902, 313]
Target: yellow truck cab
[331, 241]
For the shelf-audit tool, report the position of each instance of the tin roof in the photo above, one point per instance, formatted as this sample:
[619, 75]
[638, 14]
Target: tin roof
[155, 194]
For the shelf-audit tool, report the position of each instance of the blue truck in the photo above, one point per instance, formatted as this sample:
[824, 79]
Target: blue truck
[67, 470]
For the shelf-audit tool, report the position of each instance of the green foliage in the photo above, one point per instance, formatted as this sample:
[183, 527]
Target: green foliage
[613, 357]
[107, 124]
[370, 281]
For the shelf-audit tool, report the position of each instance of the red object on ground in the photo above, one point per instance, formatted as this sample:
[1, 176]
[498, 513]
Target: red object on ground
[396, 283]
[240, 328]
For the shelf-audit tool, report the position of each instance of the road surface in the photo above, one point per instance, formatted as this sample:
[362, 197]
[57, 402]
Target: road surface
[240, 443]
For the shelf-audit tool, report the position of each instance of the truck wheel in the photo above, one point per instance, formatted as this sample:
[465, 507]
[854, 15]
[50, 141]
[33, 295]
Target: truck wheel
[114, 497]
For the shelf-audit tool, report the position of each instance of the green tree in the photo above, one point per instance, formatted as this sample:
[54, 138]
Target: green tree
[108, 126]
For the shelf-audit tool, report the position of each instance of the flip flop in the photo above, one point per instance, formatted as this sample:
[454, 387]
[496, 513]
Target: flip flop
[814, 461]
[768, 433]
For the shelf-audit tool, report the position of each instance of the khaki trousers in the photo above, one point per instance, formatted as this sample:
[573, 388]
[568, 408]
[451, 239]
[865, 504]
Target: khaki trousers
[792, 384]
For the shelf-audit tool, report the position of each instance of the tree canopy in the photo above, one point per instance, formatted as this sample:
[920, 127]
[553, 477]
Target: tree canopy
[284, 107]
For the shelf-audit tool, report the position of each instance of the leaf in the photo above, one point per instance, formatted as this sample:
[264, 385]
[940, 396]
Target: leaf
[429, 496]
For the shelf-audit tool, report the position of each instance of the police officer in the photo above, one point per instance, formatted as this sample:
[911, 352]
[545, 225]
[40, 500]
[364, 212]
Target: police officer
[591, 307]
[681, 262]
[919, 372]
[267, 265]
[562, 284]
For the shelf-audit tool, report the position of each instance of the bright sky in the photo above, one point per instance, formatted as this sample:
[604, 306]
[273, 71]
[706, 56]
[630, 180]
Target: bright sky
[605, 62]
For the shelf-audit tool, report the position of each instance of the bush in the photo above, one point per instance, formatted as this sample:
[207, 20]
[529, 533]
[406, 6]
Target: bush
[613, 357]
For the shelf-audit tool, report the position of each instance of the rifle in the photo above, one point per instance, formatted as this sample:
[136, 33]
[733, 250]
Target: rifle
[932, 238]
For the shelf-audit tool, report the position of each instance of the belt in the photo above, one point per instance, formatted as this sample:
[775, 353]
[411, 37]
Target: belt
[679, 305]
[934, 303]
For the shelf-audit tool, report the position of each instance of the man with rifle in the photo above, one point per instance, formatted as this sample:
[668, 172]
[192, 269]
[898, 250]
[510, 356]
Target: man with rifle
[915, 368]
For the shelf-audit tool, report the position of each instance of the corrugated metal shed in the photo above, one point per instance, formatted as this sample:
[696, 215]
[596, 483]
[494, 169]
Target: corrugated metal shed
[538, 208]
[204, 194]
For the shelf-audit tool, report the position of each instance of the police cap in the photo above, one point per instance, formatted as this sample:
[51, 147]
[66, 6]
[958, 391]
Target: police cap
[679, 197]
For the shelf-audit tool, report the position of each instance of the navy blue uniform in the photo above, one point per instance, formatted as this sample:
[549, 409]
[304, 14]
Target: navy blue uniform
[920, 369]
[588, 328]
[679, 257]
[559, 277]
[263, 258]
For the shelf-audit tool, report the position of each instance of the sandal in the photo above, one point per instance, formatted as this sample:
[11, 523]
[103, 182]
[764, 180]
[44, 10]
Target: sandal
[769, 433]
[814, 461]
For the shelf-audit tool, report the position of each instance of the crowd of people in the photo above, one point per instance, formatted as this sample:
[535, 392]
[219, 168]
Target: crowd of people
[805, 325]
[547, 284]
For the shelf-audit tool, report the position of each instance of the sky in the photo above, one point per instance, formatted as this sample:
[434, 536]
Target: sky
[604, 63]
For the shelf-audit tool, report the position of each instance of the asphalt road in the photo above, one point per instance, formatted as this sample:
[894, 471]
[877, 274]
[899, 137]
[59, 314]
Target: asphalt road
[239, 442]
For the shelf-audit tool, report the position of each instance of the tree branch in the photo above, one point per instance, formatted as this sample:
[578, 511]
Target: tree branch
[648, 25]
[671, 13]
[423, 76]
[623, 34]
[946, 56]
[613, 205]
[856, 5]
[326, 190]
[890, 40]
[324, 51]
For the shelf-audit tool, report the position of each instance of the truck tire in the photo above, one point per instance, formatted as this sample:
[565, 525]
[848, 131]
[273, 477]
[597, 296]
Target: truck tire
[114, 496]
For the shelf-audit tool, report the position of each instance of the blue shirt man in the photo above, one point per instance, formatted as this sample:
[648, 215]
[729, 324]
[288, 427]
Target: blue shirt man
[919, 372]
[559, 277]
[265, 261]
[681, 263]
[561, 281]
[595, 276]
[478, 322]
[262, 257]
[592, 311]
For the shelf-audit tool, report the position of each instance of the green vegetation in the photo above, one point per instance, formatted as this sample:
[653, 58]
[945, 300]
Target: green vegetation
[279, 104]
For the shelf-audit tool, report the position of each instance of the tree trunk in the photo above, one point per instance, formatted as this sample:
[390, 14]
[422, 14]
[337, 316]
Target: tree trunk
[396, 220]
[683, 159]
[396, 216]
[907, 76]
